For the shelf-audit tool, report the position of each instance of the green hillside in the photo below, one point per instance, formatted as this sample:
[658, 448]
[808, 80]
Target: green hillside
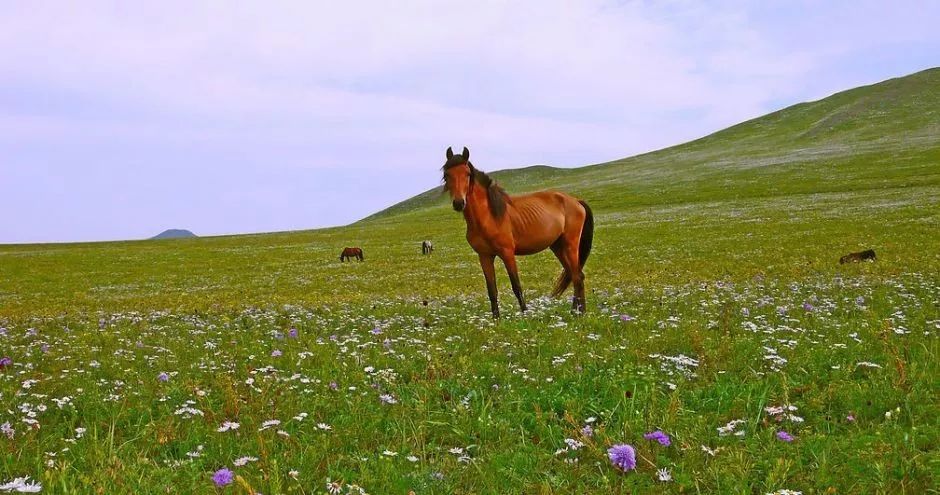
[872, 137]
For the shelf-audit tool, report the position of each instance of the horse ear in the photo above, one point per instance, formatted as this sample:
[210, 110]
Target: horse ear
[450, 153]
[466, 153]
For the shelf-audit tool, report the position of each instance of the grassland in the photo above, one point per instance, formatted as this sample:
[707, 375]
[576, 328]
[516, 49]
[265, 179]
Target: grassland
[714, 293]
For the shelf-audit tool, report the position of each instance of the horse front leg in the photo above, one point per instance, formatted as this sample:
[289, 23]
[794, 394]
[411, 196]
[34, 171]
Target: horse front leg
[510, 261]
[489, 272]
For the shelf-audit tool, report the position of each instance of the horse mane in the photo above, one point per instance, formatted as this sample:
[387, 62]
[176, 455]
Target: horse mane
[495, 194]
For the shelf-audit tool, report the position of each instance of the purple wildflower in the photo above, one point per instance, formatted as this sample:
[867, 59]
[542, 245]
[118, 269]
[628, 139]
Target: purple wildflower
[334, 386]
[5, 361]
[163, 376]
[292, 333]
[659, 436]
[388, 399]
[276, 353]
[626, 317]
[223, 477]
[850, 418]
[622, 456]
[7, 429]
[786, 437]
[808, 307]
[587, 431]
[376, 331]
[44, 348]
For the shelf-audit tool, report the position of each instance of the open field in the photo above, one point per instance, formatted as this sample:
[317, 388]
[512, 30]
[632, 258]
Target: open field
[718, 314]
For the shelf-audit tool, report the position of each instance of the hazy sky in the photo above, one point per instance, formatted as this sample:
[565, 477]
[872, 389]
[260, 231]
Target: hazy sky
[121, 119]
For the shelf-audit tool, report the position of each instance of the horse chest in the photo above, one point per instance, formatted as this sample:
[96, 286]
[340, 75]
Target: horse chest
[480, 244]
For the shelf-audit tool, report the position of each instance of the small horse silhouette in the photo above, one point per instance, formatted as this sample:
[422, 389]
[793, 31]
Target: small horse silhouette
[427, 247]
[350, 253]
[866, 255]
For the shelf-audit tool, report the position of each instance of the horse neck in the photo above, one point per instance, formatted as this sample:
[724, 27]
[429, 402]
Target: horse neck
[477, 208]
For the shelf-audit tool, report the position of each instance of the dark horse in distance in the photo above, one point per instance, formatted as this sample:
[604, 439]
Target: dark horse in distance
[350, 253]
[868, 254]
[427, 247]
[503, 226]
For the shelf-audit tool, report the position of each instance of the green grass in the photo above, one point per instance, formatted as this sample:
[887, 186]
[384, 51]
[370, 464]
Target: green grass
[724, 250]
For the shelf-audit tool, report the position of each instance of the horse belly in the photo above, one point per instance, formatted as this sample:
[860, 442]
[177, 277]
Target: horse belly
[536, 240]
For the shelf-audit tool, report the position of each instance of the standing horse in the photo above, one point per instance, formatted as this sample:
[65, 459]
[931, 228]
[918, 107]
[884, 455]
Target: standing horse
[350, 253]
[503, 226]
[426, 247]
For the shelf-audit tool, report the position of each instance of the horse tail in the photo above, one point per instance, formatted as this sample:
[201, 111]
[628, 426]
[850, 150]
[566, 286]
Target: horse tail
[587, 235]
[564, 280]
[584, 250]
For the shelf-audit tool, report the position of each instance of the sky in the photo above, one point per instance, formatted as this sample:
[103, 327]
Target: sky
[121, 119]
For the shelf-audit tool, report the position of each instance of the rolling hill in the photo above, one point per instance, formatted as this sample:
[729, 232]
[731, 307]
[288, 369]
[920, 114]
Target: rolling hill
[871, 137]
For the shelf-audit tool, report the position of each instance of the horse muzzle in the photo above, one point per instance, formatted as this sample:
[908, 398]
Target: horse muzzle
[459, 204]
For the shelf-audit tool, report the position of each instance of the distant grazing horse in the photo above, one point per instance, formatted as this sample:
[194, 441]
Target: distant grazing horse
[350, 253]
[499, 225]
[868, 254]
[426, 247]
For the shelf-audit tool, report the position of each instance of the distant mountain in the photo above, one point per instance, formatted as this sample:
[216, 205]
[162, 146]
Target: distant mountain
[174, 234]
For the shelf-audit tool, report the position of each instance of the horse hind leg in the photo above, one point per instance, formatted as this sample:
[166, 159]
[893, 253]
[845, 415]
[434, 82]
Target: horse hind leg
[577, 280]
[564, 280]
[567, 254]
[580, 300]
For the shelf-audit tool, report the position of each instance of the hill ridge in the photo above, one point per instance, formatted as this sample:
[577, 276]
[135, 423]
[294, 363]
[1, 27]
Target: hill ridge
[900, 112]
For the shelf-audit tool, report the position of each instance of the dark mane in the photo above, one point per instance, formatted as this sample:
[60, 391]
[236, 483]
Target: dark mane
[496, 196]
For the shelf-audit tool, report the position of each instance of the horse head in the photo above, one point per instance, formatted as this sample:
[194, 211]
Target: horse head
[458, 177]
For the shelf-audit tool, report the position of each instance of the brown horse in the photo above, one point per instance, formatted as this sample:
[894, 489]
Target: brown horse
[350, 253]
[503, 226]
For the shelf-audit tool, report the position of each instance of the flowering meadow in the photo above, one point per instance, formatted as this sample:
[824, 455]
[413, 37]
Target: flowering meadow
[757, 386]
[724, 350]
